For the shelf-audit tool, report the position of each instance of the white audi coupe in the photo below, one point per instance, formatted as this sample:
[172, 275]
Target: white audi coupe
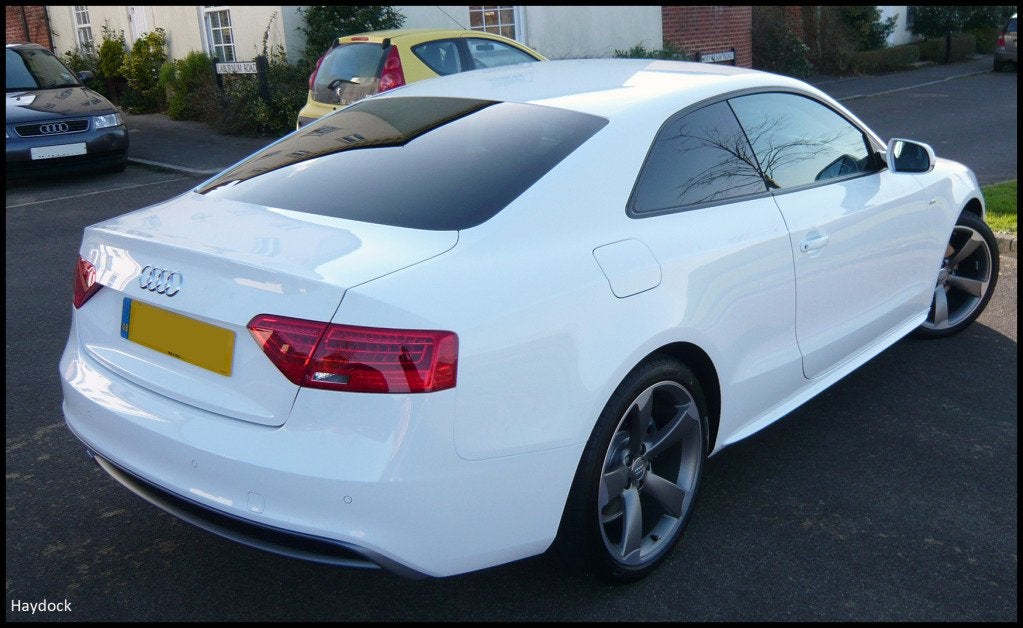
[483, 316]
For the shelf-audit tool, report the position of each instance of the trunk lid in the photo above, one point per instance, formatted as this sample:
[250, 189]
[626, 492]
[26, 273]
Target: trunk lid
[232, 261]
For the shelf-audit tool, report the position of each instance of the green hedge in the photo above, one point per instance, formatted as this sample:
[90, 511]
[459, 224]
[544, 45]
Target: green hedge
[891, 59]
[987, 38]
[964, 46]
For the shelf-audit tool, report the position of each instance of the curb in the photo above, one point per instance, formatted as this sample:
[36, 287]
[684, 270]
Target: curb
[1006, 244]
[173, 167]
[901, 89]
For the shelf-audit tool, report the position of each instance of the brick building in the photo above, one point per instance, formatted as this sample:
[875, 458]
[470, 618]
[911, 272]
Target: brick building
[710, 29]
[28, 23]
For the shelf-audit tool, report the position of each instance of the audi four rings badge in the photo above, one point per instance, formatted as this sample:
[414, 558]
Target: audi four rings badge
[60, 127]
[160, 280]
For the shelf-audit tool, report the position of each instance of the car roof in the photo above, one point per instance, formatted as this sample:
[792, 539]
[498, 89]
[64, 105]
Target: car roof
[605, 87]
[395, 33]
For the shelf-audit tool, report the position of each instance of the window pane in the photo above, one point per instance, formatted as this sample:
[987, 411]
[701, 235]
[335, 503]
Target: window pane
[799, 141]
[440, 56]
[499, 20]
[698, 158]
[487, 53]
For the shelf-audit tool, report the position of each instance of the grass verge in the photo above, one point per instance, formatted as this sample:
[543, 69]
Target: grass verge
[1000, 199]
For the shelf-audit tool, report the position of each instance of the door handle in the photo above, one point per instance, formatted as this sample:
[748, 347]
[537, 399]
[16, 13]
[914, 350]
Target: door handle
[813, 242]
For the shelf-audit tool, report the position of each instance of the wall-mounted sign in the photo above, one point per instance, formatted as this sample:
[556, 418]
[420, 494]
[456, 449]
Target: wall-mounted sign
[238, 67]
[717, 57]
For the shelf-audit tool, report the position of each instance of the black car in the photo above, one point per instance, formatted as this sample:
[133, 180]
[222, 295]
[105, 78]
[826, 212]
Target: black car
[54, 122]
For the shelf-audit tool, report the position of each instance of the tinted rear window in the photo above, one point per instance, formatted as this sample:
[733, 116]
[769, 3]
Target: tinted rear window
[423, 163]
[349, 72]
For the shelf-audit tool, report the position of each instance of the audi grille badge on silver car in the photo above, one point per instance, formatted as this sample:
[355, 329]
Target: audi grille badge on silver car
[160, 280]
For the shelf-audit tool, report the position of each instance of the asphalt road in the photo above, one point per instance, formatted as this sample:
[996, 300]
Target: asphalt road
[892, 496]
[971, 120]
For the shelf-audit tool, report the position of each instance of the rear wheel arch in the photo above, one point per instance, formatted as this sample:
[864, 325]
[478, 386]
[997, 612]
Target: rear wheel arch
[697, 360]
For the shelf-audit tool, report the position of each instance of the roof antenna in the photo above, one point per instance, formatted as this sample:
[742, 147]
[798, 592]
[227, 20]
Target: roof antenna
[452, 19]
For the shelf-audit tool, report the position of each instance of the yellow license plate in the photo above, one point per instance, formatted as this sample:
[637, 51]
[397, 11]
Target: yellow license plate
[204, 345]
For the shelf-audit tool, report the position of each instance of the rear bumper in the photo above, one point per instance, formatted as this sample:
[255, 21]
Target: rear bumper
[276, 540]
[1002, 55]
[377, 482]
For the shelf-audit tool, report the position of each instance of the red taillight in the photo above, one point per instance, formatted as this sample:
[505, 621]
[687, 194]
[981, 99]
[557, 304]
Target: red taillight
[85, 282]
[358, 359]
[312, 77]
[392, 75]
[1001, 40]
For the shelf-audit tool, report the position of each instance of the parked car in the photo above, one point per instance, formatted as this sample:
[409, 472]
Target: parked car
[360, 65]
[464, 322]
[54, 122]
[1005, 48]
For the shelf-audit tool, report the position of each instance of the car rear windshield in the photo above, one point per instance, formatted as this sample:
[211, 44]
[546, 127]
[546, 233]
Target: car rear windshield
[424, 163]
[349, 72]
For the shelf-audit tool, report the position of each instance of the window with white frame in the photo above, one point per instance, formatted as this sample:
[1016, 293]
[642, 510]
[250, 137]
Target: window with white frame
[497, 20]
[219, 33]
[83, 26]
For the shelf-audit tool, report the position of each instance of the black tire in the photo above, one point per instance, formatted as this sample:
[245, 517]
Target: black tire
[966, 279]
[629, 502]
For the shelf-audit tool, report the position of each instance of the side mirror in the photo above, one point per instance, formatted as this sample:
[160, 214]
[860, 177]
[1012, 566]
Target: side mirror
[85, 75]
[909, 156]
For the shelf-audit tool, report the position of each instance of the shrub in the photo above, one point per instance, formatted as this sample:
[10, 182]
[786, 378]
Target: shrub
[886, 60]
[775, 47]
[323, 24]
[86, 61]
[190, 87]
[863, 26]
[247, 108]
[111, 53]
[964, 46]
[141, 68]
[987, 38]
[246, 112]
[670, 52]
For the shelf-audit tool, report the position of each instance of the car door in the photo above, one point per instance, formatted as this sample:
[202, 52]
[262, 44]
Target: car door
[722, 255]
[859, 234]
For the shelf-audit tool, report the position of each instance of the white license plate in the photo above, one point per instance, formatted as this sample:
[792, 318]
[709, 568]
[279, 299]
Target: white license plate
[64, 150]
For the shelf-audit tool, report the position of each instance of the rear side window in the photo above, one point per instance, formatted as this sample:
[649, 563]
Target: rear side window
[1011, 28]
[349, 72]
[422, 163]
[697, 158]
[440, 56]
[487, 53]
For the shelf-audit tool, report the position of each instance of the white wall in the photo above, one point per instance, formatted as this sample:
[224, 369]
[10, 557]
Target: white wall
[185, 27]
[901, 35]
[421, 16]
[560, 32]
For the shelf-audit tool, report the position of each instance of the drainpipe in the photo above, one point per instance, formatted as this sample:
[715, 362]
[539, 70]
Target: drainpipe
[49, 31]
[24, 25]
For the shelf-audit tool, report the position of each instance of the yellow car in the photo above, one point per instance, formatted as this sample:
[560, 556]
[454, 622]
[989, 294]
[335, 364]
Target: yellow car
[357, 66]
